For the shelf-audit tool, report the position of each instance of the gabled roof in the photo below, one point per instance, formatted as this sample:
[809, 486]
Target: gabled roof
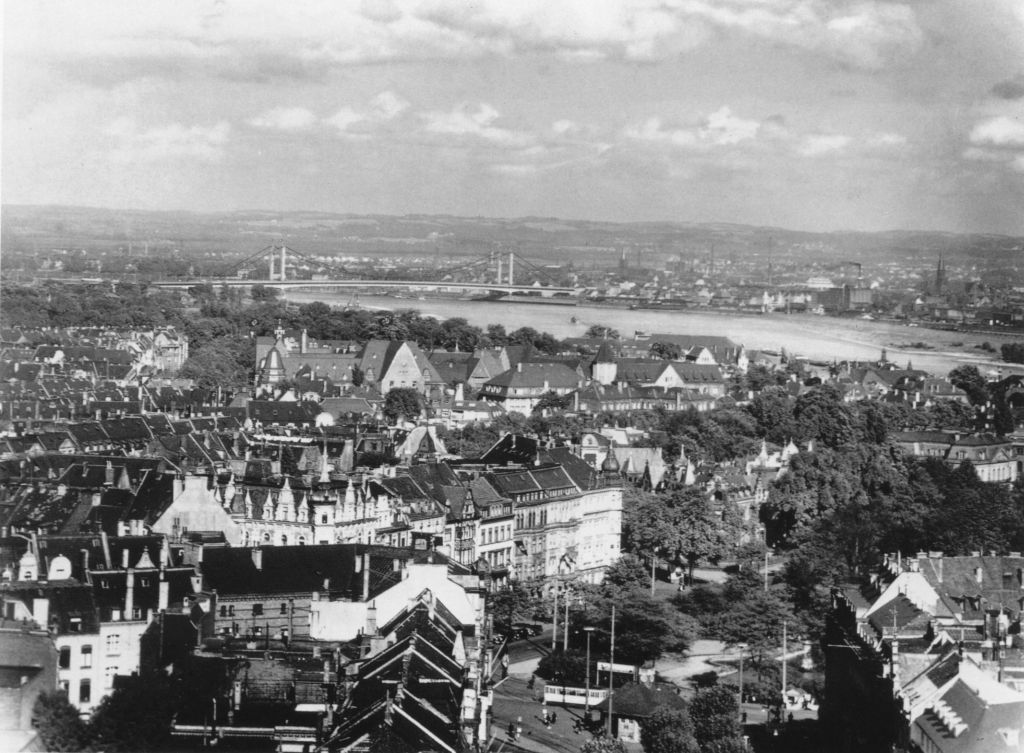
[532, 375]
[300, 569]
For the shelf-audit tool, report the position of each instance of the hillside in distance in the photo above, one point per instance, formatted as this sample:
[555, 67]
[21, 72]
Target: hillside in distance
[42, 229]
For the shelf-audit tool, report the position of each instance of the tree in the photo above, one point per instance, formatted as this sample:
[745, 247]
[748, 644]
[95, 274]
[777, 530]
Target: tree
[263, 293]
[60, 727]
[402, 401]
[564, 667]
[600, 331]
[552, 401]
[645, 627]
[603, 745]
[821, 415]
[772, 409]
[137, 715]
[970, 380]
[358, 376]
[698, 533]
[715, 713]
[1012, 352]
[509, 604]
[665, 351]
[625, 575]
[668, 730]
[646, 523]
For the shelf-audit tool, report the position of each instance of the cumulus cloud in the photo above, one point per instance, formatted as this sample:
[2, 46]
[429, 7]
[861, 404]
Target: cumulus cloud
[819, 144]
[344, 119]
[475, 124]
[723, 127]
[173, 141]
[998, 140]
[720, 128]
[284, 119]
[999, 131]
[262, 38]
[387, 105]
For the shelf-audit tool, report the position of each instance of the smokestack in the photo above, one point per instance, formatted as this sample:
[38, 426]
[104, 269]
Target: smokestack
[366, 577]
[257, 557]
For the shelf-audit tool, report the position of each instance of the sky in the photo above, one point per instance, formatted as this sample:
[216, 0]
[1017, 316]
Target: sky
[804, 114]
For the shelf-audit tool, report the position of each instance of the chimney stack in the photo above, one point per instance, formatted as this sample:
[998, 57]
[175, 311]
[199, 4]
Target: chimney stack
[366, 577]
[129, 595]
[164, 595]
[257, 557]
[41, 612]
[371, 619]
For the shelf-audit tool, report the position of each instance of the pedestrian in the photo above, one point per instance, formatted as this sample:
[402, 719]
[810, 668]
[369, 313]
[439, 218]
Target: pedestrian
[554, 717]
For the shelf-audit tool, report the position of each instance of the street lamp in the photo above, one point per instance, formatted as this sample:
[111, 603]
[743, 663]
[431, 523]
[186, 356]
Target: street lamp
[586, 703]
[742, 647]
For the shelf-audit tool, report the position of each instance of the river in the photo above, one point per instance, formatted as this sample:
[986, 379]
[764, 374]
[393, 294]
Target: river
[815, 337]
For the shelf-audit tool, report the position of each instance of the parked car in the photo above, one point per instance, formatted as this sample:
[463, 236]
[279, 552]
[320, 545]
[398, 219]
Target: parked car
[529, 628]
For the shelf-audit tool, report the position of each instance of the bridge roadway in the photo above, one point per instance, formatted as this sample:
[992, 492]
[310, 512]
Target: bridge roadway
[422, 285]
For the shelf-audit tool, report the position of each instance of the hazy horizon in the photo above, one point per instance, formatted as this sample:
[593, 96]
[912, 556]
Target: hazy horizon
[807, 115]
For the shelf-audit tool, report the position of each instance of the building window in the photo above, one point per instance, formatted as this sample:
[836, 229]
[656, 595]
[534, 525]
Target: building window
[64, 661]
[114, 643]
[223, 611]
[85, 691]
[257, 610]
[284, 607]
[86, 656]
[323, 520]
[108, 676]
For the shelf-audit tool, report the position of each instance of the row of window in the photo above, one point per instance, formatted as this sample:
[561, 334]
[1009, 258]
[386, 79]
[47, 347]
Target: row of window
[113, 646]
[228, 610]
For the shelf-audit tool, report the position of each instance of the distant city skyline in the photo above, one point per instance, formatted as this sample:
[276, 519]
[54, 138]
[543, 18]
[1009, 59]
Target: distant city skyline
[805, 114]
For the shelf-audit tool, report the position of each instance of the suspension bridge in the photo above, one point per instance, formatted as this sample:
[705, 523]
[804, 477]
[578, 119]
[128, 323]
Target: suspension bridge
[281, 267]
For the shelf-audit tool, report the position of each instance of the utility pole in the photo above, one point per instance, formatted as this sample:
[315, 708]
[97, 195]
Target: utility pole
[565, 628]
[554, 625]
[784, 650]
[611, 674]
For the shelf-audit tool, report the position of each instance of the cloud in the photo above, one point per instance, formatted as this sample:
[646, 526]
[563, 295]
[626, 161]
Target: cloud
[999, 131]
[725, 128]
[284, 119]
[819, 144]
[478, 124]
[998, 140]
[720, 128]
[887, 140]
[169, 142]
[267, 38]
[387, 105]
[1011, 88]
[344, 119]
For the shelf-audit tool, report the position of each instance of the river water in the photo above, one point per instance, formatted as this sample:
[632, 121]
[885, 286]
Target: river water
[815, 337]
